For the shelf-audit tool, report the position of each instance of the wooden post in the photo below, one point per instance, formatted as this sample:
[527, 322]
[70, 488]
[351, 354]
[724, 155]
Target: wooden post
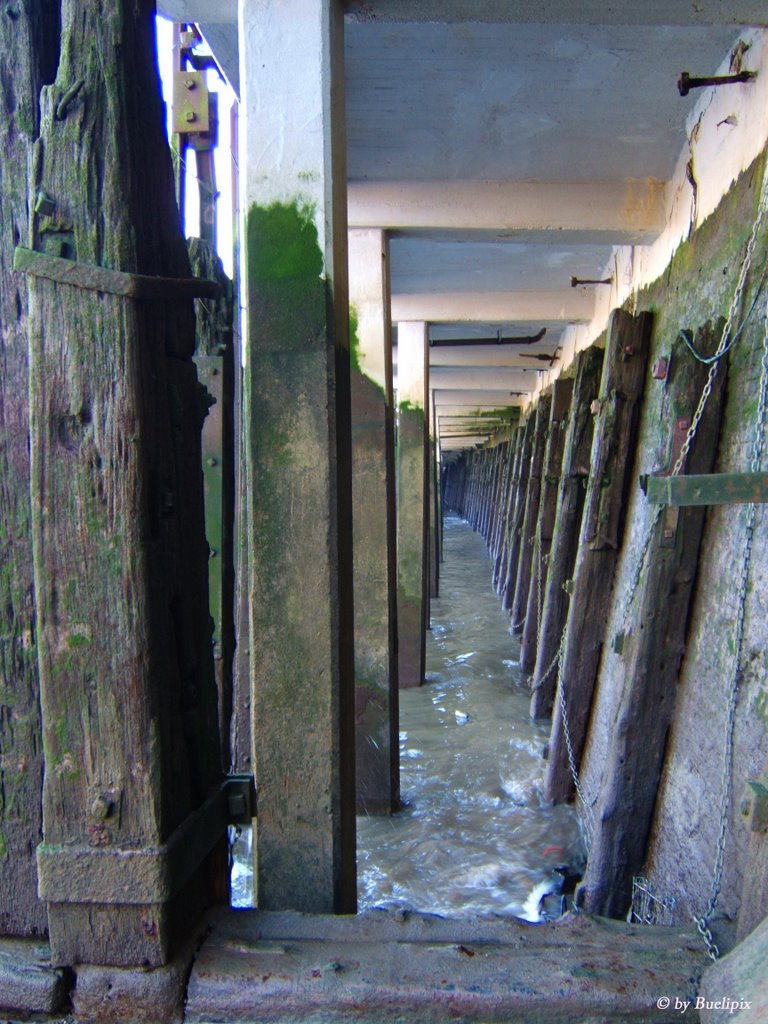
[602, 527]
[216, 367]
[654, 648]
[134, 822]
[28, 43]
[508, 497]
[570, 504]
[520, 485]
[562, 390]
[531, 514]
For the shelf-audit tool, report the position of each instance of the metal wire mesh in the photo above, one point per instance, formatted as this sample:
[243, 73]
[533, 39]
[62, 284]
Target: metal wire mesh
[647, 907]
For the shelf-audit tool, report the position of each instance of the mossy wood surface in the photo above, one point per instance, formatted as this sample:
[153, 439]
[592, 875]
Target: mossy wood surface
[28, 39]
[517, 499]
[562, 390]
[653, 649]
[531, 513]
[613, 452]
[565, 536]
[502, 558]
[124, 640]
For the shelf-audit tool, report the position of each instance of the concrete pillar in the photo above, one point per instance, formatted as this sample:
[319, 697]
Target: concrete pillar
[297, 424]
[412, 499]
[373, 501]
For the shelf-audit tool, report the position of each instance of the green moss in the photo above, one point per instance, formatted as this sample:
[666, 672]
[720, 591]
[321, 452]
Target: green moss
[354, 342]
[283, 243]
[3, 846]
[78, 640]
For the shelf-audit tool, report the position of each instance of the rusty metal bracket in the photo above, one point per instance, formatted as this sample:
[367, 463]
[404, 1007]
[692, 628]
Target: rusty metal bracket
[671, 515]
[114, 282]
[105, 874]
[191, 105]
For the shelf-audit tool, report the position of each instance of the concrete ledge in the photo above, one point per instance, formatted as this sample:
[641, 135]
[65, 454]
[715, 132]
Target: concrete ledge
[736, 987]
[258, 967]
[130, 994]
[28, 982]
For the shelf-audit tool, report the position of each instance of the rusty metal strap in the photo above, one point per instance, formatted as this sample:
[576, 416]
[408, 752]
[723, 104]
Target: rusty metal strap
[114, 282]
[103, 874]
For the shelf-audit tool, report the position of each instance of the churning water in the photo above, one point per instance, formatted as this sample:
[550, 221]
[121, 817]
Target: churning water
[475, 835]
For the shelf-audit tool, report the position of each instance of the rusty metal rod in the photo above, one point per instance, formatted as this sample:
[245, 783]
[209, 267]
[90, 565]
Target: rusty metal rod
[687, 82]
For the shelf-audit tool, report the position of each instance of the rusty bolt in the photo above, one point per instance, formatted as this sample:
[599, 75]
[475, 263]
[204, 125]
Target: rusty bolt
[190, 116]
[101, 807]
[629, 350]
[660, 368]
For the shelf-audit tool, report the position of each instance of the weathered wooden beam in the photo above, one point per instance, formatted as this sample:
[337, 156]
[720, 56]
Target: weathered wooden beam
[653, 650]
[520, 488]
[570, 504]
[123, 628]
[531, 514]
[28, 48]
[602, 525]
[706, 489]
[502, 559]
[216, 367]
[562, 390]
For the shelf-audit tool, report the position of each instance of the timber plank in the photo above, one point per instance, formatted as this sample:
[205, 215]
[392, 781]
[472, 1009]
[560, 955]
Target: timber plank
[502, 561]
[562, 390]
[124, 642]
[531, 514]
[28, 43]
[653, 652]
[613, 450]
[520, 484]
[570, 504]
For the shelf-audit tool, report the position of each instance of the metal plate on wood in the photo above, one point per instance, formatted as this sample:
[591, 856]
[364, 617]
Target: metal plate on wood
[190, 103]
[709, 489]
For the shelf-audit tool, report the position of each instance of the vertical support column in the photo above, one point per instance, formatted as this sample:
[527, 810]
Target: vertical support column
[373, 499]
[299, 451]
[602, 529]
[27, 42]
[520, 485]
[531, 514]
[562, 390]
[565, 537]
[412, 500]
[128, 696]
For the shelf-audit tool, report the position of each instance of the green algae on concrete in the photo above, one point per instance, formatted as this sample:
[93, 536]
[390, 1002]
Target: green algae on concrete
[303, 673]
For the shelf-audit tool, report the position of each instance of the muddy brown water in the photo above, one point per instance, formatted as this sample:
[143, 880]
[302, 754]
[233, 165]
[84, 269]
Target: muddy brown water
[475, 835]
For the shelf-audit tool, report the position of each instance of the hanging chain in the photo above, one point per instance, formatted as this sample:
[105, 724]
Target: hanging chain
[587, 814]
[758, 444]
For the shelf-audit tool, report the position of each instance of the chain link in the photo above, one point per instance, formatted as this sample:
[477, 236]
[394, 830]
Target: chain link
[586, 812]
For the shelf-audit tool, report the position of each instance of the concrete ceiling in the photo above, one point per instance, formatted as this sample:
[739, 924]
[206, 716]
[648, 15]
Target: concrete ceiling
[508, 146]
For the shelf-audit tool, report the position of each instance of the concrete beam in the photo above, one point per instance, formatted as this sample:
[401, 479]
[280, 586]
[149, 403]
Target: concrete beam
[492, 398]
[562, 12]
[412, 501]
[489, 355]
[199, 10]
[298, 454]
[483, 378]
[574, 305]
[631, 211]
[377, 765]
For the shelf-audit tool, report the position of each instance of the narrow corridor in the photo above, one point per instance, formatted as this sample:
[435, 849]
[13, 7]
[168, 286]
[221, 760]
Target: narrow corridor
[474, 835]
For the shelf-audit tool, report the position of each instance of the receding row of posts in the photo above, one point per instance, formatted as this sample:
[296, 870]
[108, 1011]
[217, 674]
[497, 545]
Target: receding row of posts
[550, 500]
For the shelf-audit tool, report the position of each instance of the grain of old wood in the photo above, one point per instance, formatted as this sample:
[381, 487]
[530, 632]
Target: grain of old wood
[613, 451]
[565, 537]
[515, 525]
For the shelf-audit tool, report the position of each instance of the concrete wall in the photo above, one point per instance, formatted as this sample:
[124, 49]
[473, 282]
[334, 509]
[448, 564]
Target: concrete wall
[697, 287]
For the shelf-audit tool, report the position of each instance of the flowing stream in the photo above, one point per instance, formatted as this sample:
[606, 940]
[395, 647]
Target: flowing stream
[475, 835]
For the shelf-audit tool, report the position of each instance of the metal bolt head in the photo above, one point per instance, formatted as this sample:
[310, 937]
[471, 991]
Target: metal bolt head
[101, 807]
[190, 83]
[190, 116]
[44, 205]
[660, 368]
[212, 462]
[594, 407]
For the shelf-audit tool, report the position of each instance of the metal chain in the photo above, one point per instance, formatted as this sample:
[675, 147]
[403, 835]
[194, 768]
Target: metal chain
[587, 814]
[758, 445]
